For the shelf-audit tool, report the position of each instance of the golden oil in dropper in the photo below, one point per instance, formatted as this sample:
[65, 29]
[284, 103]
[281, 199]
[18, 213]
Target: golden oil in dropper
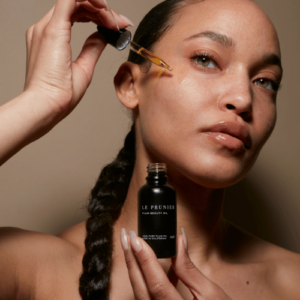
[122, 38]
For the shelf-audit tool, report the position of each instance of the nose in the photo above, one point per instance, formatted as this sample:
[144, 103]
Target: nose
[237, 96]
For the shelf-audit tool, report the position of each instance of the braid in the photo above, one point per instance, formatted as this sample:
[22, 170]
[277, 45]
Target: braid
[106, 201]
[110, 191]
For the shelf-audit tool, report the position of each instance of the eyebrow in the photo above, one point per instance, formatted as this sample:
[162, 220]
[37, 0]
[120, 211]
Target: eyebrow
[226, 41]
[220, 38]
[272, 59]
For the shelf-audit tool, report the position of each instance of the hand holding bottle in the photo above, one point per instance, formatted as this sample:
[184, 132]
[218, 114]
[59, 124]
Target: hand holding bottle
[149, 281]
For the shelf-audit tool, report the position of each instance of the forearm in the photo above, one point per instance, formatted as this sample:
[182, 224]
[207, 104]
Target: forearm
[23, 120]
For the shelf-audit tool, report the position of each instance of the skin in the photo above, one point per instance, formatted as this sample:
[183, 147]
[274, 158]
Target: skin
[223, 261]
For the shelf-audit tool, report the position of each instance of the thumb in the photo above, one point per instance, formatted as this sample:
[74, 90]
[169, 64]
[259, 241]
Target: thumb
[200, 286]
[184, 268]
[172, 276]
[83, 67]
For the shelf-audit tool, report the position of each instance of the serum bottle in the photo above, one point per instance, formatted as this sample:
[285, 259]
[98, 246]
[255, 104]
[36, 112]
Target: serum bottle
[157, 212]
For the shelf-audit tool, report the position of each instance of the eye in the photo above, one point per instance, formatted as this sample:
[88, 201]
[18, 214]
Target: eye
[267, 83]
[205, 60]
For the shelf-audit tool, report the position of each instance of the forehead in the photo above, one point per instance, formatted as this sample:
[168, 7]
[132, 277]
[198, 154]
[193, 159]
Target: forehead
[241, 20]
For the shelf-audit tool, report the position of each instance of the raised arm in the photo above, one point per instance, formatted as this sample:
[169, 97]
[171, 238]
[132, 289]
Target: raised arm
[54, 83]
[54, 86]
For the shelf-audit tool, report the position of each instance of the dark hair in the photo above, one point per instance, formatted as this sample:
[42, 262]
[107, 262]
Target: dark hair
[110, 191]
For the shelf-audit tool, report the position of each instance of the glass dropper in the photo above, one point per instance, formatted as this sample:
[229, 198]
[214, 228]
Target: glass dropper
[149, 55]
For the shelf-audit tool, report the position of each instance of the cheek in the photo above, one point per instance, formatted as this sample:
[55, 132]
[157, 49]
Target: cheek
[171, 114]
[264, 123]
[162, 112]
[171, 105]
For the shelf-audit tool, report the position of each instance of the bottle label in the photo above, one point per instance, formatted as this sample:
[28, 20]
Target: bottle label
[155, 237]
[158, 222]
[157, 207]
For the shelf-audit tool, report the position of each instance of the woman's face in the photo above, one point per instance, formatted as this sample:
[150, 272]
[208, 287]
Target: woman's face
[210, 116]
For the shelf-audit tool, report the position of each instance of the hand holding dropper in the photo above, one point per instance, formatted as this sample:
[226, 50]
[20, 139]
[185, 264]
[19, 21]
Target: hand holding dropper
[122, 38]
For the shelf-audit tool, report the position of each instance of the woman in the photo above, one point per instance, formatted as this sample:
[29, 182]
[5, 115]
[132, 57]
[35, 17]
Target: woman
[207, 119]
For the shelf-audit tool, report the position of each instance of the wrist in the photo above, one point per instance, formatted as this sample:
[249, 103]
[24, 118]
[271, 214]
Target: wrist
[32, 114]
[38, 109]
[23, 120]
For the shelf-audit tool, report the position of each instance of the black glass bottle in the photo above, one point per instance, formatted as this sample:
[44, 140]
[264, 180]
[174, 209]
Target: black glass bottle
[157, 212]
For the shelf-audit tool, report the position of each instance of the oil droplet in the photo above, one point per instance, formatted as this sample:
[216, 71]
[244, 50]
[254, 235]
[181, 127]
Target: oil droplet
[182, 73]
[160, 73]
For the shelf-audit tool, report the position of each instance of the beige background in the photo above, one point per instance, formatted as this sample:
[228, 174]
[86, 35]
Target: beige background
[45, 186]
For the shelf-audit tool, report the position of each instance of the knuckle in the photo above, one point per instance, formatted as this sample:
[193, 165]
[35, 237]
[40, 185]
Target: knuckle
[49, 32]
[214, 292]
[29, 32]
[159, 291]
[140, 296]
[184, 267]
[189, 265]
[210, 290]
[129, 264]
[145, 260]
[37, 30]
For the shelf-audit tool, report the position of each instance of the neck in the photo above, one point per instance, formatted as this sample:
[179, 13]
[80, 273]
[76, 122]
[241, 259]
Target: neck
[199, 211]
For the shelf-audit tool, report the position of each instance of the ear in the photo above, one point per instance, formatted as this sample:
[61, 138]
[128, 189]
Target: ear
[125, 85]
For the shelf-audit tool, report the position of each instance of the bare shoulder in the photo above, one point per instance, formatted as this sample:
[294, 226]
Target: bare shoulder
[284, 270]
[277, 267]
[31, 260]
[75, 235]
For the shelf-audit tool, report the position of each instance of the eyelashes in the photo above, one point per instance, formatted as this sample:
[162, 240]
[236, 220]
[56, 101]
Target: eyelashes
[204, 60]
[207, 61]
[267, 83]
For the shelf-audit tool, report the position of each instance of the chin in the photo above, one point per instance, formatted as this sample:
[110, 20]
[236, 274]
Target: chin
[216, 180]
[209, 168]
[215, 173]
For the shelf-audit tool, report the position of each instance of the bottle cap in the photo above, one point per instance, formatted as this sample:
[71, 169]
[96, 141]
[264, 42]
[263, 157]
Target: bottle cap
[118, 39]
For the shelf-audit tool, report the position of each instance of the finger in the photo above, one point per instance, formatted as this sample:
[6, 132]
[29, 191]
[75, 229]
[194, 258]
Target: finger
[87, 15]
[109, 21]
[172, 276]
[65, 8]
[85, 10]
[90, 11]
[107, 16]
[157, 281]
[39, 28]
[94, 10]
[193, 278]
[136, 276]
[63, 12]
[33, 39]
[88, 20]
[83, 67]
[29, 34]
[88, 6]
[98, 4]
[171, 273]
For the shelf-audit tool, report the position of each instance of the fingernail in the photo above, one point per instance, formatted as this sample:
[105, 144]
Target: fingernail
[117, 24]
[134, 241]
[126, 20]
[184, 238]
[124, 239]
[107, 8]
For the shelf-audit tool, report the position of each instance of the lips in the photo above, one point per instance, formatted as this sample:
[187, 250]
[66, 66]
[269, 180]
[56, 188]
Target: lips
[233, 129]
